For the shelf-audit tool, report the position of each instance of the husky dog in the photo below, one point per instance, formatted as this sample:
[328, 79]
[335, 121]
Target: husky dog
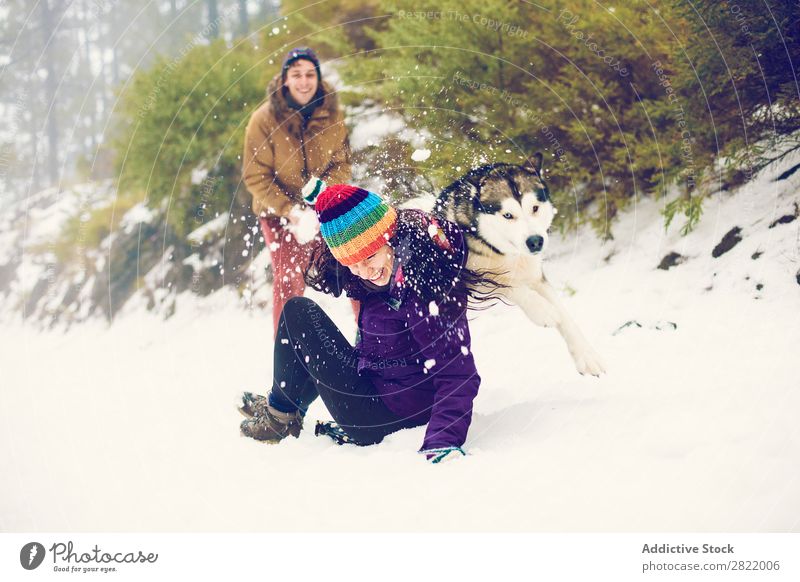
[505, 211]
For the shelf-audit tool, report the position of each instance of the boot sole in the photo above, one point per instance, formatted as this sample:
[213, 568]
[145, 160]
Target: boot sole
[268, 441]
[259, 440]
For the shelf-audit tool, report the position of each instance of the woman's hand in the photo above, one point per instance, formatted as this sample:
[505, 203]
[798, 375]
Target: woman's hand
[443, 454]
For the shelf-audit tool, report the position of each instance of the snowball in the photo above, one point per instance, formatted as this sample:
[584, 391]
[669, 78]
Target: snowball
[304, 224]
[420, 155]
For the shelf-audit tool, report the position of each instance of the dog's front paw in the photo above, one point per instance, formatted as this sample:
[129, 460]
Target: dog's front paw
[545, 315]
[587, 361]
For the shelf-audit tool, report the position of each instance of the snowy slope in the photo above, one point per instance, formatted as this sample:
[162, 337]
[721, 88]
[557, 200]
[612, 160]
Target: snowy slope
[134, 427]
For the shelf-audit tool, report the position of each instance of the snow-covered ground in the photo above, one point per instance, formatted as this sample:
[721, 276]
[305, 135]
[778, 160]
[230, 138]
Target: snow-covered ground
[135, 428]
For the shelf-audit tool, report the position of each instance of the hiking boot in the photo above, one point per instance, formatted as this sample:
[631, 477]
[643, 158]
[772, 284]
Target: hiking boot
[253, 405]
[273, 425]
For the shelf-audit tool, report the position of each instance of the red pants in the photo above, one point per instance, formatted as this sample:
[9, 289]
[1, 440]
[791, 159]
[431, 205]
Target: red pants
[289, 260]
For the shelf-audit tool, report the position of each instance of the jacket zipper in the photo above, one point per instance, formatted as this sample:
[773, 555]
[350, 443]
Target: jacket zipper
[303, 148]
[358, 323]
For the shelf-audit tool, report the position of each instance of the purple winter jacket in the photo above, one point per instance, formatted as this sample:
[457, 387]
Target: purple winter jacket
[418, 354]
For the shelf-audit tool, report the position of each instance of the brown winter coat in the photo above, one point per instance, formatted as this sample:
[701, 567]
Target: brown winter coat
[280, 156]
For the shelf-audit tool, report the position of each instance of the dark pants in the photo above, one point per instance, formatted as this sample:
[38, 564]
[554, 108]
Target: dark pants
[312, 358]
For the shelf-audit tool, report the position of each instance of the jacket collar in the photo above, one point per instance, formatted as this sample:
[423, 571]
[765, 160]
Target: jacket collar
[397, 287]
[404, 253]
[397, 284]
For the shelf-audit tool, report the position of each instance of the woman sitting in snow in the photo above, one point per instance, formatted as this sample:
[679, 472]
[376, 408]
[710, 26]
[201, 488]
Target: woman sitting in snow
[412, 364]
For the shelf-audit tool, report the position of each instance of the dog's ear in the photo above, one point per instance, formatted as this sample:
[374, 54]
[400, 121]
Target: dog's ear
[474, 193]
[534, 163]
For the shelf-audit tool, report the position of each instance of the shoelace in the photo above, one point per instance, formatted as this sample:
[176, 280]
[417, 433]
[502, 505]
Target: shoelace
[334, 431]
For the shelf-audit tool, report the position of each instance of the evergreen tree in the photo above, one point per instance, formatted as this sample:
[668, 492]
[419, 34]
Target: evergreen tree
[496, 81]
[181, 130]
[740, 77]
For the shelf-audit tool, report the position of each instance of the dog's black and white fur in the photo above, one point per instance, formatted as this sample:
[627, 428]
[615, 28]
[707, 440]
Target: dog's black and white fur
[505, 212]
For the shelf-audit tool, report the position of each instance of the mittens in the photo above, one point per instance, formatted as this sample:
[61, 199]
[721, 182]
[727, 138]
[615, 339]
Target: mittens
[443, 454]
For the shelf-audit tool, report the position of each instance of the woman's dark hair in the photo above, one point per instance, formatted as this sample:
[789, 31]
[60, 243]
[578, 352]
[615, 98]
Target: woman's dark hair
[434, 273]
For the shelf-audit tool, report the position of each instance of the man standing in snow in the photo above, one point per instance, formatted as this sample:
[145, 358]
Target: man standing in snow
[298, 132]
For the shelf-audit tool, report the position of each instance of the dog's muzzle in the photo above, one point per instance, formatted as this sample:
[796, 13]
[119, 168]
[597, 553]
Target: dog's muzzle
[535, 243]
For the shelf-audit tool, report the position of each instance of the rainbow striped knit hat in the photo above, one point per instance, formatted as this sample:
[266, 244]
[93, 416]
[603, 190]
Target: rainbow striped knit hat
[354, 222]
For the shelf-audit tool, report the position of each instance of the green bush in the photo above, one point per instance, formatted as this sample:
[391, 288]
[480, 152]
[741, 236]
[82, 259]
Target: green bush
[498, 81]
[189, 114]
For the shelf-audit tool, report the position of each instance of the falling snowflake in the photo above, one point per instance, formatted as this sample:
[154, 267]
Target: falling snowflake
[433, 308]
[430, 364]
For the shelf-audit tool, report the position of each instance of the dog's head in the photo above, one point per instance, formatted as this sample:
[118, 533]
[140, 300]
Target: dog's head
[511, 205]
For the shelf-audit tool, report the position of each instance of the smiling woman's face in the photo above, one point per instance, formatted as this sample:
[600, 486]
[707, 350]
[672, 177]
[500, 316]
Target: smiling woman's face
[301, 80]
[376, 269]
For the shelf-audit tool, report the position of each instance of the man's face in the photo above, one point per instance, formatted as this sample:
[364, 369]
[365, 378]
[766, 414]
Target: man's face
[376, 269]
[301, 80]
